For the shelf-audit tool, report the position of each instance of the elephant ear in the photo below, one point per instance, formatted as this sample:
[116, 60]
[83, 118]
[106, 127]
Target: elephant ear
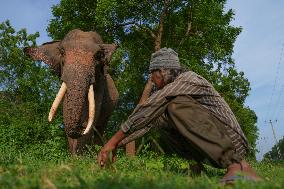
[104, 55]
[49, 53]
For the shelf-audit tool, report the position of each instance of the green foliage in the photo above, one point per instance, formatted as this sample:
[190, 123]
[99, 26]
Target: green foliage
[24, 129]
[72, 14]
[199, 30]
[22, 79]
[26, 91]
[277, 152]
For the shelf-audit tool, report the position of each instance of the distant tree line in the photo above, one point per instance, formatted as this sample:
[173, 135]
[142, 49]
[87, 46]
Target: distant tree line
[277, 151]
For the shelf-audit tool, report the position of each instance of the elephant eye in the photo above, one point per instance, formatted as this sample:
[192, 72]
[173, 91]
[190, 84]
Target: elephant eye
[99, 56]
[62, 51]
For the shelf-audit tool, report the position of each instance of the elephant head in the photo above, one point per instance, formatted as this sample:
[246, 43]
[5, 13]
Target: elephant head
[81, 60]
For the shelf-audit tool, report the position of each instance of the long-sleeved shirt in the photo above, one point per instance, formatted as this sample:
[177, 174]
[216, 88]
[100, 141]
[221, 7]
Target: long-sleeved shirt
[187, 83]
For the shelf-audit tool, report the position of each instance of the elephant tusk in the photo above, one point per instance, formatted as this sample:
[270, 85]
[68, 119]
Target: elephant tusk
[57, 101]
[91, 99]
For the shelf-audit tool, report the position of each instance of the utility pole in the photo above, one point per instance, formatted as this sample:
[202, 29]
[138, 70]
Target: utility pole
[273, 131]
[276, 142]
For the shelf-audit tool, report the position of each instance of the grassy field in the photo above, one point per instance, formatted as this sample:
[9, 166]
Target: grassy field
[146, 171]
[33, 155]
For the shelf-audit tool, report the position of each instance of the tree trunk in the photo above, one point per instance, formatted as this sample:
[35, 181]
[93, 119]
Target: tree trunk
[130, 147]
[161, 26]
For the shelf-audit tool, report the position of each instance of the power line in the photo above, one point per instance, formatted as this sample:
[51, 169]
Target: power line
[274, 84]
[278, 103]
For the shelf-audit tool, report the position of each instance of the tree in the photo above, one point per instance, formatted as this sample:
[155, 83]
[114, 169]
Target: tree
[199, 30]
[26, 91]
[21, 78]
[277, 151]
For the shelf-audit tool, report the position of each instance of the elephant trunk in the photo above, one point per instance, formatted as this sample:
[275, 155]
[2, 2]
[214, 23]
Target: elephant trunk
[74, 113]
[91, 104]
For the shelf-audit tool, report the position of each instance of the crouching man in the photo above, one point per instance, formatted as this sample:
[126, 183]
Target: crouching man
[193, 120]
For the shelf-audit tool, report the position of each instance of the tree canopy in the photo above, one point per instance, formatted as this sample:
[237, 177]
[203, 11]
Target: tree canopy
[20, 78]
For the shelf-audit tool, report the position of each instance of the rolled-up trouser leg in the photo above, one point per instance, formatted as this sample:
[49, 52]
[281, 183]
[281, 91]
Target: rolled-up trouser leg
[202, 133]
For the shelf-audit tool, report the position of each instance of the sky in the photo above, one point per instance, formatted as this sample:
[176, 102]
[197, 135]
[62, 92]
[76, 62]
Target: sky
[258, 52]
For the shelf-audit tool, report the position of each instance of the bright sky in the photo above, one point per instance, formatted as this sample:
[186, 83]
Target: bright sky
[258, 52]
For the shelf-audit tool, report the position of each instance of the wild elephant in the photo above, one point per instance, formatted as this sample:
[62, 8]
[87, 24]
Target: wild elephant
[88, 92]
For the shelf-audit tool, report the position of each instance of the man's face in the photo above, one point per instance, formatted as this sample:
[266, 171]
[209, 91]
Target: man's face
[157, 78]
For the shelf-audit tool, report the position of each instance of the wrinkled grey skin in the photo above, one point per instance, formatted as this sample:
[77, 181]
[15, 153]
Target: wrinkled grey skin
[81, 59]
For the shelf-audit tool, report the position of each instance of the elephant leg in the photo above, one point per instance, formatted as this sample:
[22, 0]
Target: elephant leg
[111, 93]
[101, 124]
[109, 101]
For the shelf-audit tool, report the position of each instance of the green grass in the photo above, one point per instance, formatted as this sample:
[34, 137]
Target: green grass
[32, 155]
[148, 171]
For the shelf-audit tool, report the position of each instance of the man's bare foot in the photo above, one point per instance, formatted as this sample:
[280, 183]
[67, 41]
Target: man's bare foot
[239, 171]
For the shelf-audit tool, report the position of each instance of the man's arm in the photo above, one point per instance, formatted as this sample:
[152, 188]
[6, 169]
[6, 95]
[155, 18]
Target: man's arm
[138, 123]
[153, 107]
[141, 116]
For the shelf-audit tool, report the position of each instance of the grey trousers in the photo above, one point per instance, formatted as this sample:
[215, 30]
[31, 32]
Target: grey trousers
[191, 131]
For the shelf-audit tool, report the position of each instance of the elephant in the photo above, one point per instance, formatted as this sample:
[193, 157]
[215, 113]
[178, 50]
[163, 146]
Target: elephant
[89, 95]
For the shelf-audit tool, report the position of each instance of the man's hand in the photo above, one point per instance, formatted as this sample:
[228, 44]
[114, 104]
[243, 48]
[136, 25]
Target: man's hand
[108, 152]
[107, 155]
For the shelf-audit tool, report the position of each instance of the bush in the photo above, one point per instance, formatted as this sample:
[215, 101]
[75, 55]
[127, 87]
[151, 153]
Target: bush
[24, 129]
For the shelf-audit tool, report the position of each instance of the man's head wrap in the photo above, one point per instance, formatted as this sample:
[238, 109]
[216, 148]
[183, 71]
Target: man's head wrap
[164, 58]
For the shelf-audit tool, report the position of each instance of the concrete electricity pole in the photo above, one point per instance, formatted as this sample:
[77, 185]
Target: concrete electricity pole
[276, 141]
